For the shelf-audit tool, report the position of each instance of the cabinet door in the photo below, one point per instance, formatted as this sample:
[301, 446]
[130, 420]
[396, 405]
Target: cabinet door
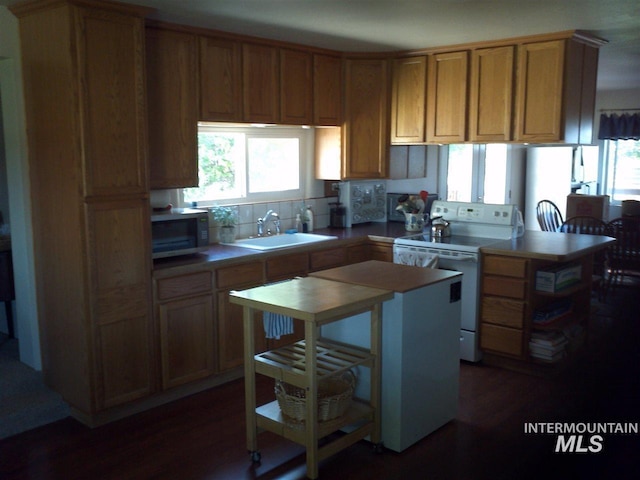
[366, 127]
[296, 90]
[327, 90]
[187, 346]
[230, 333]
[329, 258]
[220, 80]
[381, 251]
[261, 91]
[110, 49]
[491, 94]
[408, 100]
[539, 91]
[172, 93]
[119, 273]
[447, 97]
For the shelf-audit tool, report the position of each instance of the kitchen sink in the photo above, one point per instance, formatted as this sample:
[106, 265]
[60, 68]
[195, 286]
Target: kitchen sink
[281, 241]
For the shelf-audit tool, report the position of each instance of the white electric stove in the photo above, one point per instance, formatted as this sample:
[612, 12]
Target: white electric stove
[473, 226]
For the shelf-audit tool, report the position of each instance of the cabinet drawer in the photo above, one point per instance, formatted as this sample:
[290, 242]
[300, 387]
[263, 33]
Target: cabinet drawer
[504, 287]
[184, 285]
[287, 266]
[501, 339]
[334, 257]
[509, 267]
[239, 275]
[357, 253]
[501, 311]
[381, 251]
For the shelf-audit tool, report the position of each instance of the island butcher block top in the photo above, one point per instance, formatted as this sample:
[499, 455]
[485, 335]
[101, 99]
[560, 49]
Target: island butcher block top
[386, 275]
[311, 299]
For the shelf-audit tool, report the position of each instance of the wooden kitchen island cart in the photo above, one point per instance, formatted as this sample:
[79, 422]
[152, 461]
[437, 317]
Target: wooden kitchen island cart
[316, 302]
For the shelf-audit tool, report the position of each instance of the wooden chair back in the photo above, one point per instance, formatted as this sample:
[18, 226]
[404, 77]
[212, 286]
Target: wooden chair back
[623, 256]
[549, 216]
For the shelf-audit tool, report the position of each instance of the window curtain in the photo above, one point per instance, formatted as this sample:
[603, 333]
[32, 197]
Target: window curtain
[619, 127]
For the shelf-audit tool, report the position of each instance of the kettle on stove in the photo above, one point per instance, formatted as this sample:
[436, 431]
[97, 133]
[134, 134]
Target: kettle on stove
[440, 228]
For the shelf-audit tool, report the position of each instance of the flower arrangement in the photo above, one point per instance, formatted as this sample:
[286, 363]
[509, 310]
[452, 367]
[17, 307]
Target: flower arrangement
[412, 203]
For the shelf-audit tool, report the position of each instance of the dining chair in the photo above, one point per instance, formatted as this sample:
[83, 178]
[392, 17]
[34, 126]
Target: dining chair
[549, 216]
[586, 225]
[623, 256]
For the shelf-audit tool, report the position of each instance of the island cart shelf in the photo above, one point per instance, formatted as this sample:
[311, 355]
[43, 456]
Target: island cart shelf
[316, 302]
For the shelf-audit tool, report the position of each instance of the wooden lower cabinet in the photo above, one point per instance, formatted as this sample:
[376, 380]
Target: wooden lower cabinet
[187, 342]
[381, 251]
[230, 332]
[186, 327]
[509, 301]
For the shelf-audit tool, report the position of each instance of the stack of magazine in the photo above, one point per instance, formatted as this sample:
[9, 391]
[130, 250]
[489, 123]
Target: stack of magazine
[547, 346]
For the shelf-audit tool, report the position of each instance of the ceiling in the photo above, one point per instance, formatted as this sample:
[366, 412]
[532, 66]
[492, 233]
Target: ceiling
[389, 25]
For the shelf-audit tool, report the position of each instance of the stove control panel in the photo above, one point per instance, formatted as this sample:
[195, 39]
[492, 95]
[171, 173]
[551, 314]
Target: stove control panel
[487, 213]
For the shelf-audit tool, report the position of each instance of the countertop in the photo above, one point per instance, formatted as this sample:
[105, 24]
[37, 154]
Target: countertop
[381, 232]
[557, 247]
[299, 298]
[385, 275]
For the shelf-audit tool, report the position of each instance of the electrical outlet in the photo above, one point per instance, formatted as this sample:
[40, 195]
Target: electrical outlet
[335, 187]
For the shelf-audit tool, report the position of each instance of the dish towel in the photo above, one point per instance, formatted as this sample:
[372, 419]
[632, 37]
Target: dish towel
[416, 259]
[277, 324]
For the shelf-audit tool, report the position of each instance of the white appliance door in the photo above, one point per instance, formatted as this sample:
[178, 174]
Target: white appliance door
[469, 339]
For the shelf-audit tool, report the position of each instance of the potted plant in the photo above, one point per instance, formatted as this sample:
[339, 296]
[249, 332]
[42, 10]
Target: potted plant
[225, 219]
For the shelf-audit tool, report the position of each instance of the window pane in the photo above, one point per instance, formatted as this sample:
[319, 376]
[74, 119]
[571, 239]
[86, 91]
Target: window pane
[273, 164]
[460, 173]
[220, 167]
[624, 170]
[495, 173]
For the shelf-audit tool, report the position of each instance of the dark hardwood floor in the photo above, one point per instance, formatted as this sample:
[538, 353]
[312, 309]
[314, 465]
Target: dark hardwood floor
[203, 437]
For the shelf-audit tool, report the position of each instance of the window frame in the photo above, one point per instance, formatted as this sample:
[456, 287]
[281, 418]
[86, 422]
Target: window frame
[605, 168]
[305, 139]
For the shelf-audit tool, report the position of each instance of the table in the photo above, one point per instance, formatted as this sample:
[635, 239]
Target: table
[316, 302]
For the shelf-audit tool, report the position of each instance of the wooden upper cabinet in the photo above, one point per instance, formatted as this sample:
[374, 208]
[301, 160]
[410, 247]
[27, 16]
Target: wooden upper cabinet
[172, 93]
[556, 87]
[327, 90]
[366, 127]
[220, 80]
[296, 87]
[491, 94]
[540, 84]
[261, 88]
[408, 101]
[447, 97]
[112, 100]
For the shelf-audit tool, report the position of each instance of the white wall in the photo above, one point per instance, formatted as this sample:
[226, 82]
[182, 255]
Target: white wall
[25, 312]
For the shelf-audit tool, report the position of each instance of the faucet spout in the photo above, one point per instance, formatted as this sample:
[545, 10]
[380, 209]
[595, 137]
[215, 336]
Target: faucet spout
[262, 221]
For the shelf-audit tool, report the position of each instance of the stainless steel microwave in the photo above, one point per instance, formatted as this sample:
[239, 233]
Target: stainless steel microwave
[179, 231]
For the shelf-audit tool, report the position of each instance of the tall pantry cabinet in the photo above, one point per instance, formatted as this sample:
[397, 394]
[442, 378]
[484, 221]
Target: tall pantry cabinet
[83, 68]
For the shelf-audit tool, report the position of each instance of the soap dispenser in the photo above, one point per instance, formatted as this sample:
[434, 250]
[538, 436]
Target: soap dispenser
[309, 217]
[298, 223]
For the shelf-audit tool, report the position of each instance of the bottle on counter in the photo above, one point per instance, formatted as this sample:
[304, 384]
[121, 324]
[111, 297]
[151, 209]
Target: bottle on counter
[298, 226]
[309, 218]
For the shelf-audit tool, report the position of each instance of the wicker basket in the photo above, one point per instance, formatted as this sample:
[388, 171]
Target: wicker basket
[334, 397]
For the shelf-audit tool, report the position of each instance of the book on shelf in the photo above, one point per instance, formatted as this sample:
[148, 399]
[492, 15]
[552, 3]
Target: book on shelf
[547, 337]
[556, 357]
[553, 312]
[546, 350]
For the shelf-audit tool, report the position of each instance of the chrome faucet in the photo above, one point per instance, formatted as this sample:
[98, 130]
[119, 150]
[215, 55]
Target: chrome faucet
[263, 221]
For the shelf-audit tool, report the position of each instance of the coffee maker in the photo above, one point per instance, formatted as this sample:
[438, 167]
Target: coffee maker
[337, 215]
